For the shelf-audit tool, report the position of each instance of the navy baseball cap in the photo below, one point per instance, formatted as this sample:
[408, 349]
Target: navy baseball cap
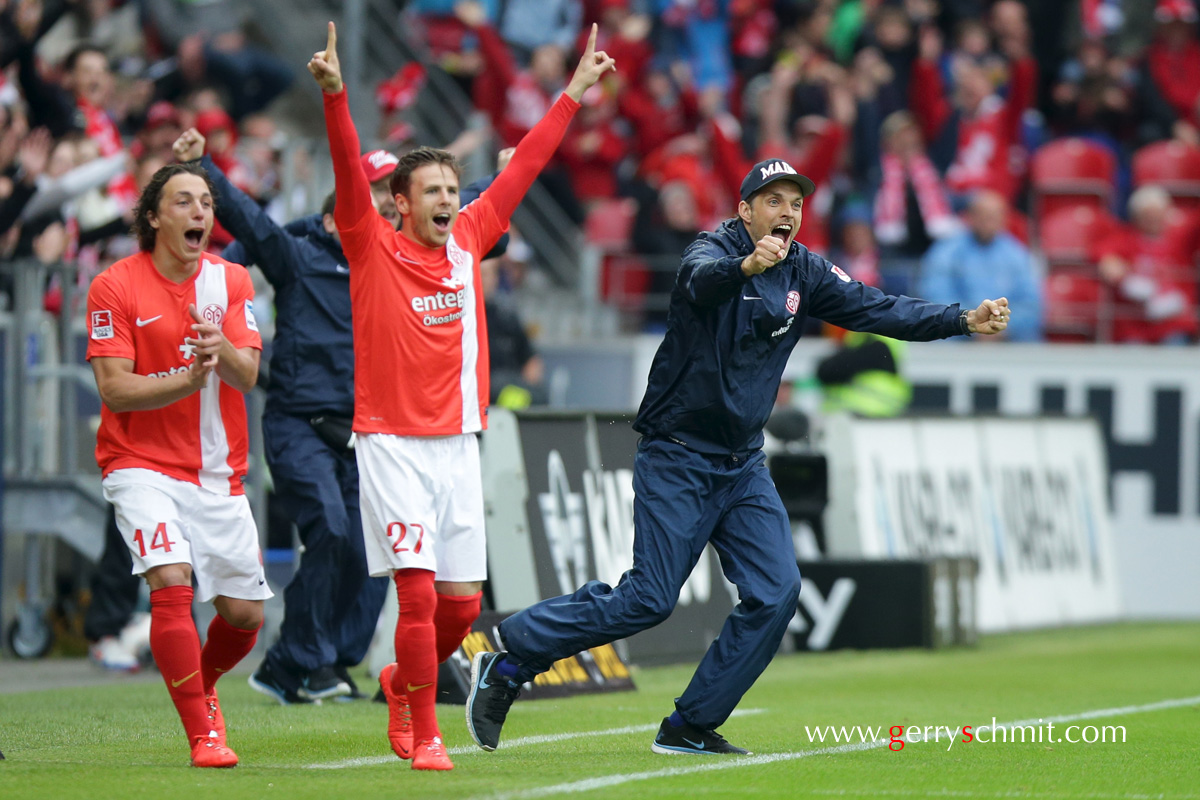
[771, 170]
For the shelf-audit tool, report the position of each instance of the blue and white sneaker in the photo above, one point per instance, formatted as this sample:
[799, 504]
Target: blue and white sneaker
[322, 683]
[690, 740]
[265, 681]
[490, 698]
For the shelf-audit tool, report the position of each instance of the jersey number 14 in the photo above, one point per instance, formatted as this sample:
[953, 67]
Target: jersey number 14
[159, 541]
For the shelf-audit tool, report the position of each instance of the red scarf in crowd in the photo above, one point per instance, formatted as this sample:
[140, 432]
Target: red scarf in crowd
[890, 223]
[101, 130]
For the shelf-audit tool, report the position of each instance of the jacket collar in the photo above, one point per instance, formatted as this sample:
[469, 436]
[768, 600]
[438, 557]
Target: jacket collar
[315, 232]
[733, 231]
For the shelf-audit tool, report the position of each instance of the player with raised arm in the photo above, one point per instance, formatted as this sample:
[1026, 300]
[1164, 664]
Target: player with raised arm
[421, 383]
[173, 345]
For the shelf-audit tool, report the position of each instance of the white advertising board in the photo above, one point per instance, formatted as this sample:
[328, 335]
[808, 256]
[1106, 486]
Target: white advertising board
[1026, 497]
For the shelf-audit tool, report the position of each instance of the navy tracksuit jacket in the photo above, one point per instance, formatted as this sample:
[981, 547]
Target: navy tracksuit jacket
[700, 476]
[331, 605]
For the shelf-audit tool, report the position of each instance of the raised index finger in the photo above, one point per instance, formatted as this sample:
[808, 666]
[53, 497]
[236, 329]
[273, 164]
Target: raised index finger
[331, 42]
[591, 45]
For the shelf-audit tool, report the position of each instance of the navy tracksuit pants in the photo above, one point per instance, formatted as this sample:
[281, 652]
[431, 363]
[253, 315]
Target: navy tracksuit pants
[331, 606]
[683, 501]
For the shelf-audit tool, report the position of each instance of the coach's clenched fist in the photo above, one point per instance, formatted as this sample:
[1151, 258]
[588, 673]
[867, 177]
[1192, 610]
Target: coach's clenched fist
[769, 251]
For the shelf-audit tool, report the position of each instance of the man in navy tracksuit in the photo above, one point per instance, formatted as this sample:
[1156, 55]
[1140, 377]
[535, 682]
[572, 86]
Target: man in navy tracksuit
[739, 303]
[331, 604]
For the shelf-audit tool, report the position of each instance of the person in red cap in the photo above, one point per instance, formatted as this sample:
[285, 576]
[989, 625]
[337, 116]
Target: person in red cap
[378, 166]
[159, 132]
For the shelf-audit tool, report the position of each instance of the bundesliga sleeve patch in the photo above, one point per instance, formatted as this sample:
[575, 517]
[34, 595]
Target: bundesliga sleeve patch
[841, 273]
[102, 327]
[251, 322]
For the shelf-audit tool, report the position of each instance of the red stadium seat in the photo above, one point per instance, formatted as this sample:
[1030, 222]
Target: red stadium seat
[1069, 172]
[624, 281]
[1066, 236]
[1174, 166]
[1077, 307]
[609, 225]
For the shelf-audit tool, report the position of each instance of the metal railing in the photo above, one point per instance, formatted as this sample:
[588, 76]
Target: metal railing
[51, 485]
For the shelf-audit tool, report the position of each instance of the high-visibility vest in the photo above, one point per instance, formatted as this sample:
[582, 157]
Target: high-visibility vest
[873, 393]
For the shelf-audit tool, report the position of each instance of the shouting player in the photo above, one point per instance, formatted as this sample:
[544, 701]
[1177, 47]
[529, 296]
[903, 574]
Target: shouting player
[174, 346]
[421, 383]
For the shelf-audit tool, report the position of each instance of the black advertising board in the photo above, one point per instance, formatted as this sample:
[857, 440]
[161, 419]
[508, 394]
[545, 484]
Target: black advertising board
[885, 604]
[580, 473]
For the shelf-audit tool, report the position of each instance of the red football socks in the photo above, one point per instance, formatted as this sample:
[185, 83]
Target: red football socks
[225, 647]
[176, 648]
[416, 649]
[453, 619]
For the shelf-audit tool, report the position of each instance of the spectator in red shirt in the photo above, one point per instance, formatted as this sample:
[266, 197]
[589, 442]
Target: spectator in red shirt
[1173, 68]
[660, 105]
[1148, 263]
[622, 34]
[979, 127]
[593, 147]
[689, 159]
[515, 98]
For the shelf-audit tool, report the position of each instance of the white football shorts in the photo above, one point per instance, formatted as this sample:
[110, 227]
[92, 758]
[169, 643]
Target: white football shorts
[422, 505]
[168, 521]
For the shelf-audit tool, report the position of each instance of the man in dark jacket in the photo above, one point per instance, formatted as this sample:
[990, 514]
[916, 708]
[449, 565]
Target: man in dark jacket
[331, 605]
[737, 310]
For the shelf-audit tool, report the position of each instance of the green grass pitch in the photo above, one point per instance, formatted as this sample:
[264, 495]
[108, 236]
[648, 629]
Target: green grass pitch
[124, 741]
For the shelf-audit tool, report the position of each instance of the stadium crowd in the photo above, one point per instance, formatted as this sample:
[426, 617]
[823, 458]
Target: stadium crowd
[958, 146]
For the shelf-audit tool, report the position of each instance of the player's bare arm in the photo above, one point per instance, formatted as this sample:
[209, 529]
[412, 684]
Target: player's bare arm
[591, 69]
[768, 252]
[238, 367]
[121, 389]
[990, 318]
[324, 64]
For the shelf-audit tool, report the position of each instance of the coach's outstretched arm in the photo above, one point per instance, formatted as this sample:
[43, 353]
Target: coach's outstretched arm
[350, 182]
[536, 148]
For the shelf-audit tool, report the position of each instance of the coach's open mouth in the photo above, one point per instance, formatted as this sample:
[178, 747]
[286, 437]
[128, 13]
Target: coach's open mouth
[782, 231]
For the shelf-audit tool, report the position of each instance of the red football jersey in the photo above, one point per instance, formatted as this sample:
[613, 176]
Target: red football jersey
[135, 312]
[420, 337]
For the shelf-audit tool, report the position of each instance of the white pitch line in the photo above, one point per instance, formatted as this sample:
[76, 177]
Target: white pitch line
[1005, 794]
[607, 781]
[521, 741]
